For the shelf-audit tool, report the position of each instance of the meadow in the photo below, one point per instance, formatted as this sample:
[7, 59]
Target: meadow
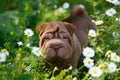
[21, 57]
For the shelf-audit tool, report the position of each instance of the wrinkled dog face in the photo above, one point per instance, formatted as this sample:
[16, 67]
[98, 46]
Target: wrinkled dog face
[56, 40]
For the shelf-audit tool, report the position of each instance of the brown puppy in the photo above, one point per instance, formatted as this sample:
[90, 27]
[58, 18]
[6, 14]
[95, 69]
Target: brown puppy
[63, 41]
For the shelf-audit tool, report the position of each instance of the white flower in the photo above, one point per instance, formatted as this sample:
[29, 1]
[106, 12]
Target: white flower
[28, 32]
[108, 53]
[111, 12]
[95, 71]
[4, 51]
[19, 43]
[115, 2]
[88, 52]
[101, 66]
[70, 68]
[59, 11]
[2, 57]
[111, 1]
[66, 5]
[36, 51]
[112, 67]
[115, 57]
[88, 62]
[28, 45]
[74, 78]
[82, 6]
[99, 22]
[92, 33]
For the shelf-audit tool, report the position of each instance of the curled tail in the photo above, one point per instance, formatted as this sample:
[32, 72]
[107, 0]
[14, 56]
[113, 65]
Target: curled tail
[77, 11]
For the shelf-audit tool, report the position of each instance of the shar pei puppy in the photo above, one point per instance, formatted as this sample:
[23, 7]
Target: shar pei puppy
[63, 41]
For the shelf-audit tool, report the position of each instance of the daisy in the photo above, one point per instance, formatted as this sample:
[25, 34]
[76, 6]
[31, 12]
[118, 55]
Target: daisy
[74, 78]
[101, 66]
[112, 67]
[36, 51]
[88, 52]
[66, 5]
[2, 57]
[95, 71]
[19, 43]
[4, 51]
[99, 22]
[61, 10]
[82, 6]
[70, 68]
[111, 1]
[115, 2]
[108, 53]
[92, 33]
[88, 62]
[28, 32]
[115, 57]
[28, 44]
[111, 12]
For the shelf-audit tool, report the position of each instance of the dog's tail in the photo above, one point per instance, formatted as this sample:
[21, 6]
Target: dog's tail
[75, 12]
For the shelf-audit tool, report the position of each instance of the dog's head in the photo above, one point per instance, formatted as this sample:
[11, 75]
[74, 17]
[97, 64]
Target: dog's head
[56, 40]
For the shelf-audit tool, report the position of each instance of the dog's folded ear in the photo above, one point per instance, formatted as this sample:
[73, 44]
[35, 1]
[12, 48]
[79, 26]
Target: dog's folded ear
[40, 29]
[71, 28]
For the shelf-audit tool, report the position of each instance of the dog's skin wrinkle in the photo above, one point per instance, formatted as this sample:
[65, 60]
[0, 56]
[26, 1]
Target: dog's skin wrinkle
[75, 28]
[55, 34]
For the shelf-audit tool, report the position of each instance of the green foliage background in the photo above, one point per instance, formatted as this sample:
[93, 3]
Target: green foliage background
[17, 15]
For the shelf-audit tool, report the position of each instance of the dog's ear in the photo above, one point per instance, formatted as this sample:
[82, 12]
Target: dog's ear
[40, 29]
[71, 28]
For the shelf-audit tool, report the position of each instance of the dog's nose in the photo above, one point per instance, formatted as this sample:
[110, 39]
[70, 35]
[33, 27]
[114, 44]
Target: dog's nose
[56, 47]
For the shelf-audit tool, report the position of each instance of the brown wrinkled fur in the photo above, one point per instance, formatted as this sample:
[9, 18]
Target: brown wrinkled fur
[63, 41]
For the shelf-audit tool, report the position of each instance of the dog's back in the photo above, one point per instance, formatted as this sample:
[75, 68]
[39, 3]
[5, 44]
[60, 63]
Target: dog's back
[82, 22]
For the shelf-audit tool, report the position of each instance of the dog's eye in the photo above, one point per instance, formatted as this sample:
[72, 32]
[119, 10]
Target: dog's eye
[47, 38]
[64, 37]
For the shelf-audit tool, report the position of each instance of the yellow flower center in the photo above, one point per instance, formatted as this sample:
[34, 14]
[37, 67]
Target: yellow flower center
[111, 12]
[37, 51]
[0, 57]
[111, 0]
[115, 57]
[4, 50]
[18, 55]
[92, 33]
[89, 61]
[98, 22]
[109, 52]
[95, 72]
[28, 33]
[101, 66]
[88, 52]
